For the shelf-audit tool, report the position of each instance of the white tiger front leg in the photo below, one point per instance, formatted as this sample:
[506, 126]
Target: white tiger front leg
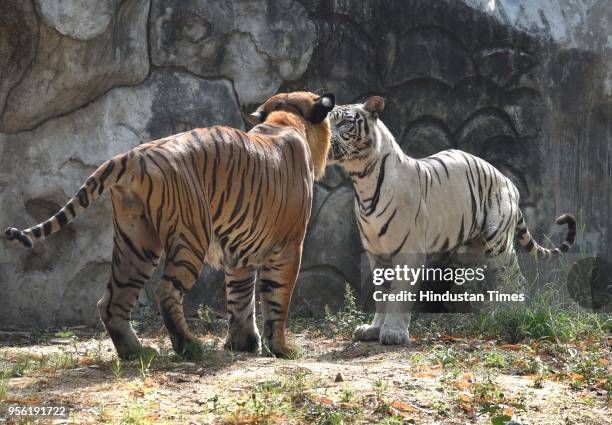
[395, 328]
[370, 332]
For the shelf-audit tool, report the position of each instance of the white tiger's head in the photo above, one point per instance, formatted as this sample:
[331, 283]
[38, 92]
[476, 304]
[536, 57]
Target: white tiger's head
[354, 130]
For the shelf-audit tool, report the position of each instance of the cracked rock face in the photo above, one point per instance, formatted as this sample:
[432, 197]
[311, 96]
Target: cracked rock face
[258, 44]
[78, 19]
[75, 59]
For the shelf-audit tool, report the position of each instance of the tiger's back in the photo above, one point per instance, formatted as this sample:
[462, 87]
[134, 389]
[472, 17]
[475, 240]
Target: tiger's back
[229, 188]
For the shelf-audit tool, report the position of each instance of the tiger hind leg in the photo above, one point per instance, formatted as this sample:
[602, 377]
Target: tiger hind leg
[242, 334]
[503, 269]
[277, 280]
[136, 251]
[181, 271]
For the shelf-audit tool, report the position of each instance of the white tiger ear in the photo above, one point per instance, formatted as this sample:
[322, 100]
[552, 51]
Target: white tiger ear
[375, 105]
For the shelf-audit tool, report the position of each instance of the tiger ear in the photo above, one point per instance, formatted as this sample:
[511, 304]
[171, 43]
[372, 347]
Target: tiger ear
[375, 106]
[321, 107]
[256, 117]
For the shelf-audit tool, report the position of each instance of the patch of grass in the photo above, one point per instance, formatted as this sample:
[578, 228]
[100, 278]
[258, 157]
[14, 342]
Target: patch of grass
[65, 360]
[269, 401]
[341, 323]
[445, 356]
[3, 386]
[590, 369]
[344, 321]
[495, 360]
[292, 398]
[144, 362]
[117, 368]
[21, 366]
[96, 355]
[28, 364]
[134, 415]
[542, 317]
[201, 351]
[210, 321]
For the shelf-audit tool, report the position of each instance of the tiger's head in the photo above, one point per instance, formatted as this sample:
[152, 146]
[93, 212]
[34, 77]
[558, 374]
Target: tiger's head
[355, 130]
[307, 108]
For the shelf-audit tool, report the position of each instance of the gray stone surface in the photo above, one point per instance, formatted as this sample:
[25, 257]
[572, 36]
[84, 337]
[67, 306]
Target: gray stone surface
[258, 44]
[18, 41]
[78, 19]
[525, 84]
[65, 72]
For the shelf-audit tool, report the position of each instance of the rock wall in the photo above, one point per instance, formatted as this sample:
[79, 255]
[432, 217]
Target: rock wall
[528, 88]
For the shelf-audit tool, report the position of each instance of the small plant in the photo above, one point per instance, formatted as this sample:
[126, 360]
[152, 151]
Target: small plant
[347, 394]
[590, 369]
[344, 321]
[134, 415]
[65, 360]
[540, 379]
[495, 360]
[144, 362]
[445, 356]
[64, 334]
[117, 368]
[210, 321]
[96, 355]
[3, 386]
[215, 404]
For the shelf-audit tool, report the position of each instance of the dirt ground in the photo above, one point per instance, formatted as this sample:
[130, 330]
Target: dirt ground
[446, 380]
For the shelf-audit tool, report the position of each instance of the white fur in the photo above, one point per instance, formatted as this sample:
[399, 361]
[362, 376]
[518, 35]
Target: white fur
[427, 209]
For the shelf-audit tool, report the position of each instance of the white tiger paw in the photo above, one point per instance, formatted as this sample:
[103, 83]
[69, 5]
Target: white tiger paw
[393, 336]
[366, 332]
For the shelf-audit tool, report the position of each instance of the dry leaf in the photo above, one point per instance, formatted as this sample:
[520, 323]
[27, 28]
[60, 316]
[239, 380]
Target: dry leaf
[325, 400]
[405, 407]
[467, 408]
[462, 385]
[465, 397]
[86, 361]
[513, 347]
[20, 401]
[451, 338]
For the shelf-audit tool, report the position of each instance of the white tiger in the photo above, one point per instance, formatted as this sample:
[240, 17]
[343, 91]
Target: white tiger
[450, 202]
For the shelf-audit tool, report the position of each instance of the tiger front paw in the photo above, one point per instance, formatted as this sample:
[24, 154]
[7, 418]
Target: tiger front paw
[249, 342]
[366, 332]
[393, 336]
[282, 350]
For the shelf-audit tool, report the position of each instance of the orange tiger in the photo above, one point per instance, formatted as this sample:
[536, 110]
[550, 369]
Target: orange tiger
[215, 195]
